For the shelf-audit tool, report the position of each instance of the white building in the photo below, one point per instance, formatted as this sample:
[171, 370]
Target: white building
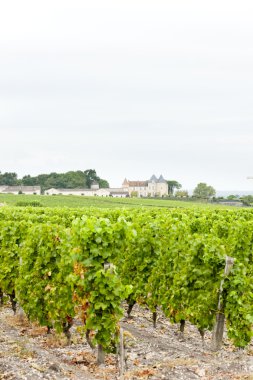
[154, 187]
[84, 192]
[115, 193]
[118, 193]
[29, 190]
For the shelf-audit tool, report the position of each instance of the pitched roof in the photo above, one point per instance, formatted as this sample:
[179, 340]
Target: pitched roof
[116, 189]
[9, 189]
[73, 191]
[138, 183]
[118, 192]
[125, 182]
[153, 178]
[161, 179]
[70, 190]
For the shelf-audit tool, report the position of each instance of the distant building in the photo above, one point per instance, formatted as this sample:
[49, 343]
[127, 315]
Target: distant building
[84, 192]
[94, 185]
[154, 187]
[93, 191]
[118, 193]
[29, 190]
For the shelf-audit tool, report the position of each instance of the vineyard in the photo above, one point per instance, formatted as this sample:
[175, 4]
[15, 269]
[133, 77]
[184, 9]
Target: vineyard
[61, 264]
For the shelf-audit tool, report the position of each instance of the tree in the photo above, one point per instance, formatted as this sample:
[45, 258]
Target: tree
[90, 176]
[68, 180]
[172, 185]
[27, 180]
[202, 190]
[103, 184]
[9, 179]
[232, 197]
[247, 200]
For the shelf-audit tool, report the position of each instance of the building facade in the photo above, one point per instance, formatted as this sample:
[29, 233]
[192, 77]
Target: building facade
[154, 187]
[84, 192]
[29, 190]
[115, 193]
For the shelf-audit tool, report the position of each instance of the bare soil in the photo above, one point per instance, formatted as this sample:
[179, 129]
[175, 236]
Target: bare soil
[28, 353]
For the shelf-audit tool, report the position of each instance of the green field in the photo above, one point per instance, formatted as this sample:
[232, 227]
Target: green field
[100, 202]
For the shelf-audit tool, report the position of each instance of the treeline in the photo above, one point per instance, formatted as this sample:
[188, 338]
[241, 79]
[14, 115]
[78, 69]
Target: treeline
[68, 180]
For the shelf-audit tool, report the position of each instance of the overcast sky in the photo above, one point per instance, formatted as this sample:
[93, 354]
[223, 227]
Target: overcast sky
[129, 88]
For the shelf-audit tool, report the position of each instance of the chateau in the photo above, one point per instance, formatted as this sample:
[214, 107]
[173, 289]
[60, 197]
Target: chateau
[154, 187]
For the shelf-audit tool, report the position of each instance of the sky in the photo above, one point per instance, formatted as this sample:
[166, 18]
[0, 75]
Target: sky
[129, 88]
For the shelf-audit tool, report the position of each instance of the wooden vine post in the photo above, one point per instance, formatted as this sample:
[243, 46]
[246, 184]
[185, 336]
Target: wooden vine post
[101, 352]
[101, 355]
[121, 354]
[220, 316]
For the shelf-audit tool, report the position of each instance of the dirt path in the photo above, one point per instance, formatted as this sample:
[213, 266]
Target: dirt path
[23, 356]
[27, 353]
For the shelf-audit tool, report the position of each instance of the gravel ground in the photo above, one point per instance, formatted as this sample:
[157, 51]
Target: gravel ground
[28, 353]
